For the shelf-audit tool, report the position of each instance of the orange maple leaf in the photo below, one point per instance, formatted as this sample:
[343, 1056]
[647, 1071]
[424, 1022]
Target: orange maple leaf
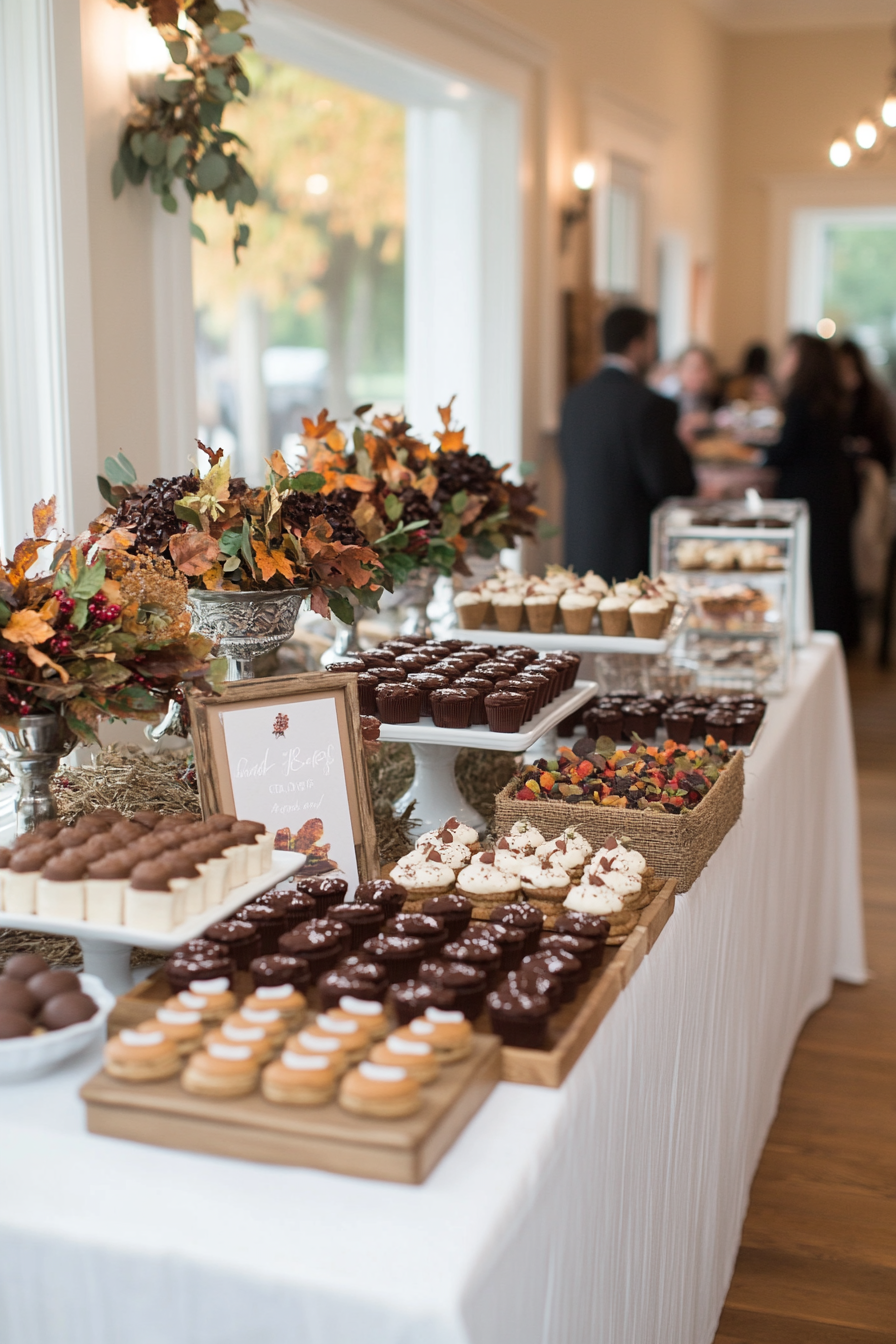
[452, 440]
[43, 516]
[272, 562]
[25, 555]
[445, 413]
[320, 428]
[360, 483]
[26, 627]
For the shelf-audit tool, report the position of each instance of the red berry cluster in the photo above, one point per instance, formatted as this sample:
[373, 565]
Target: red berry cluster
[103, 612]
[65, 603]
[7, 660]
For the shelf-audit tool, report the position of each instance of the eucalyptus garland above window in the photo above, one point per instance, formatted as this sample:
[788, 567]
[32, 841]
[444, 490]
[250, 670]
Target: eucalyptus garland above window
[177, 131]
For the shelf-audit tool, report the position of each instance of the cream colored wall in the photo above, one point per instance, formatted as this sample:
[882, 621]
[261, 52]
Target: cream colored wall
[787, 94]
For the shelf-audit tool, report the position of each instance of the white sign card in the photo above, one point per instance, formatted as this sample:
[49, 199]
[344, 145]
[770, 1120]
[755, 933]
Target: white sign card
[286, 768]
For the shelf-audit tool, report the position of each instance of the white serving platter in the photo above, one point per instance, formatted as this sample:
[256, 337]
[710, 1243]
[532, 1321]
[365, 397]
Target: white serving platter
[30, 1056]
[283, 865]
[481, 736]
[558, 639]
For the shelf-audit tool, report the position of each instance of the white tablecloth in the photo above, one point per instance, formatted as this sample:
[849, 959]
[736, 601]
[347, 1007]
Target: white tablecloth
[606, 1212]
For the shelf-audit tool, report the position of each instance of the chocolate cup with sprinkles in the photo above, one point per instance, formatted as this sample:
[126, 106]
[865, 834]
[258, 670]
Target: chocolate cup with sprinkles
[505, 710]
[399, 703]
[453, 708]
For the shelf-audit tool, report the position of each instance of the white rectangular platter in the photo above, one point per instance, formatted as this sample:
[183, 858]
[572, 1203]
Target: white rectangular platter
[283, 865]
[482, 736]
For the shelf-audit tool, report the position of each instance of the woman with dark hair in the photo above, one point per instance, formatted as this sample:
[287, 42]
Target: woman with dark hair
[870, 423]
[814, 467]
[754, 382]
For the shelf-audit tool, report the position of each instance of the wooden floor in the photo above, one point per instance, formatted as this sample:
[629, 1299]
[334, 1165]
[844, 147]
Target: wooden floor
[817, 1263]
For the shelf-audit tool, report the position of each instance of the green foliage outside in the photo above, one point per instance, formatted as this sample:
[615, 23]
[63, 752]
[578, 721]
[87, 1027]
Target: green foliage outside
[860, 288]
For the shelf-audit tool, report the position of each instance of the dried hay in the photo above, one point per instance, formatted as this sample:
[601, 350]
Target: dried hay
[130, 780]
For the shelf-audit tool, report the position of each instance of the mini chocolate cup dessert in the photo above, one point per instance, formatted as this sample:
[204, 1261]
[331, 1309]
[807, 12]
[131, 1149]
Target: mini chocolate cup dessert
[64, 1010]
[16, 997]
[519, 1018]
[328, 924]
[496, 669]
[640, 717]
[347, 665]
[604, 721]
[181, 971]
[280, 970]
[564, 965]
[453, 708]
[148, 819]
[484, 955]
[126, 832]
[679, 723]
[320, 948]
[400, 955]
[239, 938]
[587, 950]
[744, 730]
[467, 982]
[13, 1024]
[30, 858]
[342, 980]
[522, 687]
[197, 947]
[511, 941]
[47, 984]
[430, 929]
[24, 965]
[364, 918]
[505, 710]
[542, 685]
[389, 895]
[477, 699]
[720, 724]
[295, 906]
[426, 683]
[530, 980]
[270, 923]
[411, 998]
[400, 703]
[454, 911]
[326, 891]
[367, 684]
[376, 658]
[413, 662]
[527, 918]
[576, 922]
[394, 674]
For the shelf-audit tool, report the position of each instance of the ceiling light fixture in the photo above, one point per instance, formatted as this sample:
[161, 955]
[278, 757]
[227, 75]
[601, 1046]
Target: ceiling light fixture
[872, 133]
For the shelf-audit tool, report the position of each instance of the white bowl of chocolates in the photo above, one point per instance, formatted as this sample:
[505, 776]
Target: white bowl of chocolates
[47, 1015]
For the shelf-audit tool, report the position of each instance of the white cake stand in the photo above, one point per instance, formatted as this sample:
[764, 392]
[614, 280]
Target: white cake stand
[107, 947]
[434, 790]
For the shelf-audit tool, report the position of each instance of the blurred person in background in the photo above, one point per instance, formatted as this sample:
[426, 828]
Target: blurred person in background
[814, 466]
[870, 440]
[754, 383]
[620, 453]
[697, 393]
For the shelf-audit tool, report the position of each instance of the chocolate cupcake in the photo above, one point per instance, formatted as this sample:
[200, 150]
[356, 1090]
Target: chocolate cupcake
[518, 1017]
[587, 950]
[398, 954]
[505, 711]
[321, 949]
[367, 684]
[481, 953]
[496, 669]
[295, 906]
[280, 970]
[328, 924]
[541, 683]
[401, 703]
[374, 659]
[411, 998]
[426, 683]
[326, 891]
[454, 911]
[679, 723]
[269, 922]
[744, 730]
[720, 723]
[239, 937]
[342, 980]
[527, 918]
[477, 698]
[604, 721]
[576, 922]
[364, 918]
[181, 971]
[511, 941]
[391, 675]
[522, 687]
[430, 929]
[453, 708]
[568, 969]
[382, 891]
[468, 983]
[530, 980]
[347, 665]
[641, 717]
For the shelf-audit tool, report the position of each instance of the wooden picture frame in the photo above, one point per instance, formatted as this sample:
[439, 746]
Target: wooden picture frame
[276, 695]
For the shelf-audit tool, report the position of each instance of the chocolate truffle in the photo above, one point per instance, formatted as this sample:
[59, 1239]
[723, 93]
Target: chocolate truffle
[518, 1017]
[64, 1010]
[14, 1024]
[148, 819]
[110, 868]
[128, 831]
[30, 859]
[24, 965]
[280, 970]
[47, 984]
[16, 997]
[454, 911]
[382, 891]
[411, 998]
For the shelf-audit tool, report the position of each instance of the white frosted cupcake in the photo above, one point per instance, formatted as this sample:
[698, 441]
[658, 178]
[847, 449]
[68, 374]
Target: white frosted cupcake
[508, 607]
[460, 831]
[648, 617]
[544, 880]
[577, 608]
[541, 610]
[526, 837]
[613, 612]
[575, 841]
[593, 583]
[507, 857]
[622, 859]
[421, 876]
[570, 858]
[446, 848]
[472, 608]
[596, 897]
[487, 884]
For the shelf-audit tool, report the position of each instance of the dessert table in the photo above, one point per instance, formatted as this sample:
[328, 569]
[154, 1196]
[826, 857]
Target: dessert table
[607, 1211]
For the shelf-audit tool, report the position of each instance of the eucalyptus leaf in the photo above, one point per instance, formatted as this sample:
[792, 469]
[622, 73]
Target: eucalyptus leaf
[153, 148]
[197, 233]
[394, 507]
[227, 44]
[248, 193]
[172, 90]
[169, 203]
[459, 501]
[79, 615]
[210, 112]
[5, 613]
[211, 171]
[118, 179]
[243, 84]
[231, 20]
[177, 50]
[105, 490]
[233, 562]
[309, 482]
[230, 541]
[177, 148]
[136, 143]
[187, 515]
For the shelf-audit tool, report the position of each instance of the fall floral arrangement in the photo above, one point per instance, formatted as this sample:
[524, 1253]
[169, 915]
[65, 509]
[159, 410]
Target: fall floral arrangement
[105, 633]
[671, 778]
[418, 505]
[223, 535]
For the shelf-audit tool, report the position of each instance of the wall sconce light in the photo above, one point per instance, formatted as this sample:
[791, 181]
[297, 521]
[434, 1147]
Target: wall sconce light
[583, 179]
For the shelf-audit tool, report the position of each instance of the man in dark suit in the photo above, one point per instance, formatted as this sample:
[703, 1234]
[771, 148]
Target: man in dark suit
[620, 453]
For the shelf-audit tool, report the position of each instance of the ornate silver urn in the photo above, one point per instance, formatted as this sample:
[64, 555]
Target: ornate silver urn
[32, 752]
[244, 625]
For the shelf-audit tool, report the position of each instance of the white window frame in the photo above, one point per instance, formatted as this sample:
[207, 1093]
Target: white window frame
[807, 233]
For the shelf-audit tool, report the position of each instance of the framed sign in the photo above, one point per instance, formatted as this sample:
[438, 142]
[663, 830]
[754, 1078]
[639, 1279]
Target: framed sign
[287, 751]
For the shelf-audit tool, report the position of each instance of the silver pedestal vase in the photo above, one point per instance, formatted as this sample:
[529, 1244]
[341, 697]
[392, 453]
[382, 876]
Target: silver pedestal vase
[32, 752]
[244, 625]
[415, 596]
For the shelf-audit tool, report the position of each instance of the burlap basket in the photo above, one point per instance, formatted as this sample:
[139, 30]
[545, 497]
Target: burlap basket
[678, 847]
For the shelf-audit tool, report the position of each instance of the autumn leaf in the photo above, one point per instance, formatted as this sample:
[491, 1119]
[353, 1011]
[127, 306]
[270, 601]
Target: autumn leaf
[272, 562]
[118, 539]
[368, 521]
[452, 441]
[319, 603]
[278, 465]
[25, 555]
[428, 485]
[445, 413]
[350, 561]
[193, 552]
[213, 454]
[43, 516]
[26, 627]
[360, 483]
[320, 428]
[44, 660]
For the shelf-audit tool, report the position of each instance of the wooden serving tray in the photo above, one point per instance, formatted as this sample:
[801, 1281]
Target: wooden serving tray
[569, 1030]
[326, 1137]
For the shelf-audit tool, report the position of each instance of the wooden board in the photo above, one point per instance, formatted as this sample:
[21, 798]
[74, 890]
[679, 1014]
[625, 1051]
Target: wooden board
[326, 1137]
[574, 1025]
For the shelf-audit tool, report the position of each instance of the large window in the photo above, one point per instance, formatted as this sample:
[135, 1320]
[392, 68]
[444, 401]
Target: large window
[314, 314]
[843, 279]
